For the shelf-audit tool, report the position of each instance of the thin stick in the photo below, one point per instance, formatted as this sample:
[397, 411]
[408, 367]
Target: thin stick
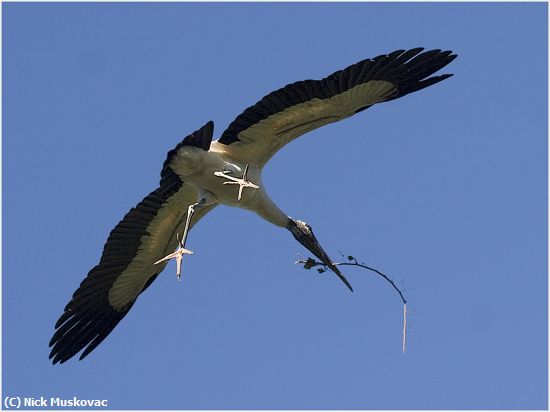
[355, 263]
[404, 326]
[309, 263]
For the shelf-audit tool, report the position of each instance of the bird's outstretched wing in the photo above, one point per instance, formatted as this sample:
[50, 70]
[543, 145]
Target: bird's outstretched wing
[126, 268]
[285, 114]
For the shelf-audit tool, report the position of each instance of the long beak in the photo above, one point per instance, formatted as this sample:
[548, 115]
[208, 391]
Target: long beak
[310, 242]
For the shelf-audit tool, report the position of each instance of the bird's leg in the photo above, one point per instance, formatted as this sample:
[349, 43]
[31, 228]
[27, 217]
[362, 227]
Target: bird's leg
[244, 182]
[180, 251]
[190, 213]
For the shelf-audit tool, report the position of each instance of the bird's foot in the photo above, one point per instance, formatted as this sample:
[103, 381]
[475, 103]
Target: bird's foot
[178, 256]
[244, 182]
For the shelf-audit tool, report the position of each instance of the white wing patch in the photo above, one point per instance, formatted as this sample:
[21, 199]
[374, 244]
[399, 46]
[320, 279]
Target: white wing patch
[262, 140]
[160, 240]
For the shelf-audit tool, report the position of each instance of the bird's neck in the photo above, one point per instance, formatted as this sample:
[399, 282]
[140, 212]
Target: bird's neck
[269, 211]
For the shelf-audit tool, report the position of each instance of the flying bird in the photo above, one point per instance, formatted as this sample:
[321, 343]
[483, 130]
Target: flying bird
[199, 174]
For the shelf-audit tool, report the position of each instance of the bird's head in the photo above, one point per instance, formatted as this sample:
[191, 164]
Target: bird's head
[303, 233]
[188, 160]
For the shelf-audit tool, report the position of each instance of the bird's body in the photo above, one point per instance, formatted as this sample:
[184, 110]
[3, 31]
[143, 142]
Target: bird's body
[200, 174]
[203, 179]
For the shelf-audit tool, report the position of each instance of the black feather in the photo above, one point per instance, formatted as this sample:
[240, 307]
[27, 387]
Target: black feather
[409, 70]
[89, 318]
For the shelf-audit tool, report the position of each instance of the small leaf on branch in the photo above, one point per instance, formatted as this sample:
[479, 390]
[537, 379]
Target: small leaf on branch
[309, 263]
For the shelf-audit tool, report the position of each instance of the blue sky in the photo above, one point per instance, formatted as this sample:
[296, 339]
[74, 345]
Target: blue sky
[444, 190]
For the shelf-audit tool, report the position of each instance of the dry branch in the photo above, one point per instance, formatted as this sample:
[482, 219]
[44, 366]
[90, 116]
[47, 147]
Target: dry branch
[321, 268]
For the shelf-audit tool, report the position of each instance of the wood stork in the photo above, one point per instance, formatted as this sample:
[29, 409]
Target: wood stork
[199, 174]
